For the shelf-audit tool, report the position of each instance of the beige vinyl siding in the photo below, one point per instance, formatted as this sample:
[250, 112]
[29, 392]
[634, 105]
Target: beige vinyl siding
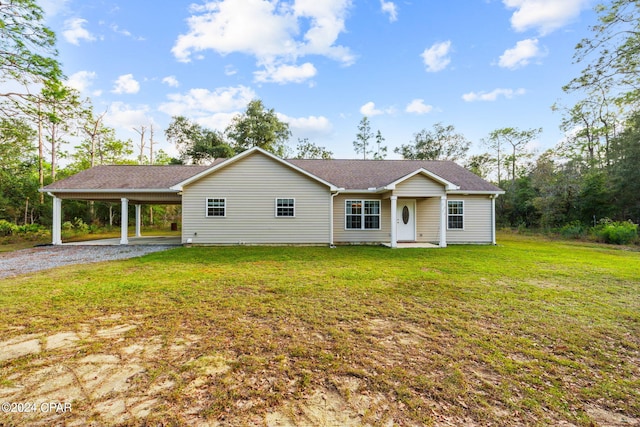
[477, 220]
[419, 186]
[342, 235]
[428, 220]
[250, 187]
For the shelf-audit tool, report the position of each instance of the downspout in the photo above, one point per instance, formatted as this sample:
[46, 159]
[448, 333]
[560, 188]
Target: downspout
[331, 244]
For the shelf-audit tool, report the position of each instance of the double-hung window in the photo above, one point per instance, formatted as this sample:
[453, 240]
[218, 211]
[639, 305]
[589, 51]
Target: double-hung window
[455, 217]
[285, 208]
[216, 207]
[362, 214]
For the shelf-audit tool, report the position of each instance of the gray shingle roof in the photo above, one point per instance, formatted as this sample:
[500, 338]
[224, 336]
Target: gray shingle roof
[364, 174]
[348, 174]
[127, 177]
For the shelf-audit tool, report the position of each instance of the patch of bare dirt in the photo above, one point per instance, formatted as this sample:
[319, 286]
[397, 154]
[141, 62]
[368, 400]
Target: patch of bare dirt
[107, 374]
[604, 417]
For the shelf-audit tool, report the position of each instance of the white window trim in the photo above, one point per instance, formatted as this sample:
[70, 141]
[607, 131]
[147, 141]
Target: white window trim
[463, 216]
[206, 207]
[362, 215]
[276, 207]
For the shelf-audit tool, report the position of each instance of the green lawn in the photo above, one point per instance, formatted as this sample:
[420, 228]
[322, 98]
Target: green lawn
[532, 331]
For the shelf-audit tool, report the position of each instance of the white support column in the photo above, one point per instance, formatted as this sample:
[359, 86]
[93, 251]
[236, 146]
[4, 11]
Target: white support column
[443, 221]
[138, 221]
[124, 219]
[56, 229]
[394, 221]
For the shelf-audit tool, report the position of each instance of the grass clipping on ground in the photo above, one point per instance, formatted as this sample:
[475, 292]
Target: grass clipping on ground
[530, 332]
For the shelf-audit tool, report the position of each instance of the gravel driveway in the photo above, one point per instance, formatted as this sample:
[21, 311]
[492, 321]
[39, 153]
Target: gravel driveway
[45, 257]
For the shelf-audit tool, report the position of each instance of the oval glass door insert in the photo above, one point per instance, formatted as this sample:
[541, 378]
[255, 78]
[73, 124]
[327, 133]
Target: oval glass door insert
[405, 215]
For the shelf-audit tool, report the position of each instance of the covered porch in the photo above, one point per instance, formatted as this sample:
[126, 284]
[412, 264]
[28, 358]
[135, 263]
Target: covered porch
[137, 199]
[404, 223]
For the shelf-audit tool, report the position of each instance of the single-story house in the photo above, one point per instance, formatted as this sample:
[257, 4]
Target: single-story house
[256, 197]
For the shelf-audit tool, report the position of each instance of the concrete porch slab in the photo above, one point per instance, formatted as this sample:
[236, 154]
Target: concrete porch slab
[407, 245]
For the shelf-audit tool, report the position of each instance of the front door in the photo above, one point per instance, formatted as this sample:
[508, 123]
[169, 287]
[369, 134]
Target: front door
[406, 221]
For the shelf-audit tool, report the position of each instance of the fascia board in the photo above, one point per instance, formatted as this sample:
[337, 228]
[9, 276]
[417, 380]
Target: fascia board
[366, 190]
[475, 192]
[108, 190]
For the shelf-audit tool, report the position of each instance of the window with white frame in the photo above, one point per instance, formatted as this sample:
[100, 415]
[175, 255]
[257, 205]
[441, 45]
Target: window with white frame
[216, 207]
[285, 208]
[362, 214]
[455, 216]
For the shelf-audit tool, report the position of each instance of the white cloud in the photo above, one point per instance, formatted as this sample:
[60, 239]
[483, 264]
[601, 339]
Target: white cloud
[171, 81]
[270, 31]
[116, 29]
[219, 121]
[126, 84]
[123, 116]
[254, 27]
[286, 73]
[207, 105]
[390, 8]
[311, 124]
[53, 7]
[326, 19]
[417, 106]
[493, 95]
[74, 31]
[82, 80]
[369, 109]
[436, 57]
[544, 15]
[521, 54]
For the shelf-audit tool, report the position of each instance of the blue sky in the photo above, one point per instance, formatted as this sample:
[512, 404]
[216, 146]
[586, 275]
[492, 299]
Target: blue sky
[479, 65]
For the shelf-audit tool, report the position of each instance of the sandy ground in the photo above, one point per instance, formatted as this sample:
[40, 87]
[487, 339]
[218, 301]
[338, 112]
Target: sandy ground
[99, 376]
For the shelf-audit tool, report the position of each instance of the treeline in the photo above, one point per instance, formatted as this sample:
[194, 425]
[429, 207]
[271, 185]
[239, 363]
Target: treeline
[594, 175]
[39, 118]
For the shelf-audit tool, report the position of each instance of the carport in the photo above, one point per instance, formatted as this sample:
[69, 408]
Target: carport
[124, 184]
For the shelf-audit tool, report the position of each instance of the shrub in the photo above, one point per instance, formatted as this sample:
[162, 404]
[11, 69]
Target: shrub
[29, 229]
[7, 228]
[26, 232]
[573, 230]
[619, 233]
[80, 226]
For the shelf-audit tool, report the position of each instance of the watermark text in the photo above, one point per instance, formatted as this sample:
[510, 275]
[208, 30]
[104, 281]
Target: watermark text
[30, 407]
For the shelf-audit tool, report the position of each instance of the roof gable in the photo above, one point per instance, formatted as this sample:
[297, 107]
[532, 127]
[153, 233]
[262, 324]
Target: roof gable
[253, 151]
[422, 171]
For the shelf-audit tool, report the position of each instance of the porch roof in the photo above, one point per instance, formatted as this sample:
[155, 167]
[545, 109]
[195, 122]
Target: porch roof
[125, 178]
